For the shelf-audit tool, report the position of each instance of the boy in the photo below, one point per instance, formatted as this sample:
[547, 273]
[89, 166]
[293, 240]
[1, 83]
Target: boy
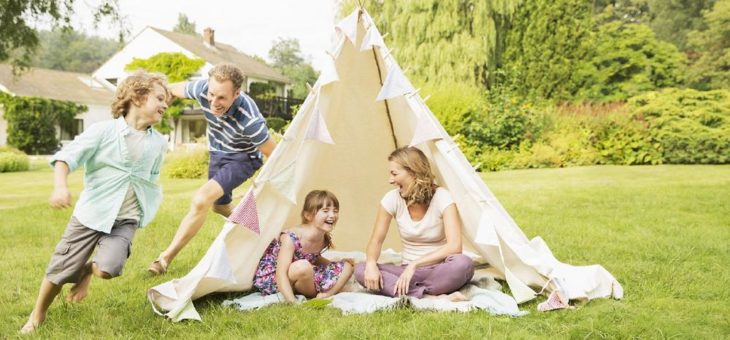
[237, 136]
[122, 159]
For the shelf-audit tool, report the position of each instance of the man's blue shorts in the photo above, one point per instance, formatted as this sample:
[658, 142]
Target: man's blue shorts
[230, 170]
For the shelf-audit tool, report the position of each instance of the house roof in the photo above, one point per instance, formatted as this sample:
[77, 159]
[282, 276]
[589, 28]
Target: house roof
[59, 85]
[224, 53]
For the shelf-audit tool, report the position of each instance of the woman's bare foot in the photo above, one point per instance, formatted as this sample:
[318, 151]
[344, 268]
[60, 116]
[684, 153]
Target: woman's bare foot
[80, 290]
[31, 325]
[453, 297]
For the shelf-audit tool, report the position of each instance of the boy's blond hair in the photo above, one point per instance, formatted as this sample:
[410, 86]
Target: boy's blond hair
[223, 72]
[134, 89]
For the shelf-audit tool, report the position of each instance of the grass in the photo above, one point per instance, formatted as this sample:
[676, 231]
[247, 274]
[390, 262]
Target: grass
[662, 231]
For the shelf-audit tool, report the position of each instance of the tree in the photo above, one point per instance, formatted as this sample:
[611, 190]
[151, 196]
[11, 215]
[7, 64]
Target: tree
[544, 46]
[19, 40]
[286, 57]
[673, 20]
[710, 65]
[177, 67]
[446, 40]
[627, 59]
[72, 51]
[184, 25]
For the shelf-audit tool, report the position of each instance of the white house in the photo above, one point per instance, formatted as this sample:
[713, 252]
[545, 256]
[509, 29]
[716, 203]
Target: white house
[75, 87]
[151, 41]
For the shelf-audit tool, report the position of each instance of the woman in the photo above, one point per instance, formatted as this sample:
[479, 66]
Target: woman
[429, 228]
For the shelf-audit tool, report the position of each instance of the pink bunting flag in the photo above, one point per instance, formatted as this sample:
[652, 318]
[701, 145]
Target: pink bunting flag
[246, 213]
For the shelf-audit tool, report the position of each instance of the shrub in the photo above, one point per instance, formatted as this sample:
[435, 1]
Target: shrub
[453, 103]
[191, 163]
[13, 160]
[690, 126]
[275, 123]
[505, 123]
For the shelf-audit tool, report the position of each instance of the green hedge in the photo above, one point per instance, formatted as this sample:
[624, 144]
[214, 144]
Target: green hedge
[667, 126]
[13, 160]
[191, 163]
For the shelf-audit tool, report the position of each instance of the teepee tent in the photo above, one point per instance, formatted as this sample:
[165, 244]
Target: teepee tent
[361, 108]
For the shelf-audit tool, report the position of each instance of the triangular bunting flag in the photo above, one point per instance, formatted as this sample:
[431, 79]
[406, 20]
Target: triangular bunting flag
[246, 214]
[317, 129]
[283, 182]
[348, 26]
[372, 39]
[425, 131]
[329, 73]
[396, 84]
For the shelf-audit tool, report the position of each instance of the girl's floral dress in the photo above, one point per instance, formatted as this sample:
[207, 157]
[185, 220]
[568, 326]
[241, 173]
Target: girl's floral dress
[325, 276]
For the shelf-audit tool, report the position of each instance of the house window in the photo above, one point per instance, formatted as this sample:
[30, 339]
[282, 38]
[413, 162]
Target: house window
[193, 130]
[71, 131]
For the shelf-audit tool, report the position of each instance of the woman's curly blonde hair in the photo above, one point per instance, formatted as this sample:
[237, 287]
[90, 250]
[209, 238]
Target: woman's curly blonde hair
[416, 164]
[134, 89]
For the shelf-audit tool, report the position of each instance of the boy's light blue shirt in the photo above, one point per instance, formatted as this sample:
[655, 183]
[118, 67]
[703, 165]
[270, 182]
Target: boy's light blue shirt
[109, 171]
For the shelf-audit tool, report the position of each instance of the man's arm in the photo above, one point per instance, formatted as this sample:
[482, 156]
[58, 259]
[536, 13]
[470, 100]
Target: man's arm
[177, 89]
[267, 147]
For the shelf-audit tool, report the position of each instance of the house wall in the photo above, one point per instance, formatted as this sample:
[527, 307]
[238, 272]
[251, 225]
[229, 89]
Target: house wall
[146, 44]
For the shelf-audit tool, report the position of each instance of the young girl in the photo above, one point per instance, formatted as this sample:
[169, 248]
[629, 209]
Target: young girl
[293, 262]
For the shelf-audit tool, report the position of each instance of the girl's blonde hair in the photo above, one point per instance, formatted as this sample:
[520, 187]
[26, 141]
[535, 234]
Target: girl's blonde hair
[135, 89]
[416, 164]
[315, 200]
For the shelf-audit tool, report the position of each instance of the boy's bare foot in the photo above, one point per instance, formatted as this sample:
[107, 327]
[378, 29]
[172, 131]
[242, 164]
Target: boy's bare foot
[31, 325]
[81, 289]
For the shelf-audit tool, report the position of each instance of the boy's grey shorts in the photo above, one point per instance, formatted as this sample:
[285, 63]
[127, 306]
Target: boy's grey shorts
[78, 243]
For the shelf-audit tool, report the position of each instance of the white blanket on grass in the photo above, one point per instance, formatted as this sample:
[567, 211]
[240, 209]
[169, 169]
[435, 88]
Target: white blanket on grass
[483, 293]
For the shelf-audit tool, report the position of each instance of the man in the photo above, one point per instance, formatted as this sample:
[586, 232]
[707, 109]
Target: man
[237, 136]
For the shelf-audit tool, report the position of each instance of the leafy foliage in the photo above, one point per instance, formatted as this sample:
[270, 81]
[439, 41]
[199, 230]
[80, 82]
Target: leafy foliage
[711, 63]
[627, 59]
[277, 124]
[19, 40]
[177, 67]
[192, 163]
[72, 51]
[184, 25]
[32, 121]
[12, 159]
[286, 57]
[692, 126]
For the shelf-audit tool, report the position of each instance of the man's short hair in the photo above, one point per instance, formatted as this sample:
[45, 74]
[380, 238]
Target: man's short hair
[223, 72]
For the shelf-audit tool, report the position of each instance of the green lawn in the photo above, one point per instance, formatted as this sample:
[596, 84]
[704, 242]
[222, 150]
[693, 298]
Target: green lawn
[662, 231]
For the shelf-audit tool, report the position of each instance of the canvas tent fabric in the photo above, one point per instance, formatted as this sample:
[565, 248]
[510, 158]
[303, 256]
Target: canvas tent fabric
[361, 108]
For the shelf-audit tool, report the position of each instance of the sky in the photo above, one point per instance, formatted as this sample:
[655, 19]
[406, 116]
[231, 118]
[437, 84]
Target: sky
[250, 26]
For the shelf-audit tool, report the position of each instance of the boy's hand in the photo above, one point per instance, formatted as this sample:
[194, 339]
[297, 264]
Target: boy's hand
[60, 198]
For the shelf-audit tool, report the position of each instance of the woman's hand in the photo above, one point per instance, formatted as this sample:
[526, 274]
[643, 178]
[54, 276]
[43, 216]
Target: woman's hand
[373, 277]
[401, 286]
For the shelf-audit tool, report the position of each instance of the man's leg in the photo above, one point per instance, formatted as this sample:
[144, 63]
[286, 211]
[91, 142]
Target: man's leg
[223, 209]
[202, 202]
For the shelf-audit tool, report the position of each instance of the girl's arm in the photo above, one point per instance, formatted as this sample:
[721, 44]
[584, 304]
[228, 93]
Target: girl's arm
[452, 229]
[283, 261]
[373, 278]
[341, 281]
